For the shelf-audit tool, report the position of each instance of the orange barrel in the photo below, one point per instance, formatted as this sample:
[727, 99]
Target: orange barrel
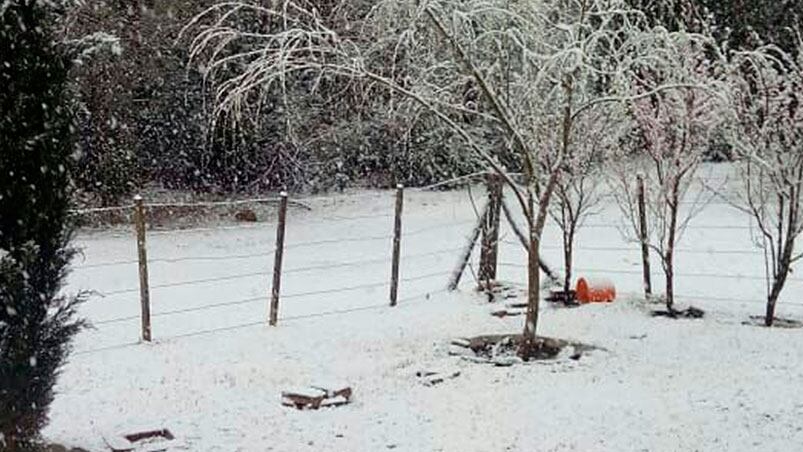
[595, 290]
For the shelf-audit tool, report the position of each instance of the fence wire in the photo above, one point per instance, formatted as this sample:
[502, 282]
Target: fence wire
[268, 228]
[291, 297]
[404, 302]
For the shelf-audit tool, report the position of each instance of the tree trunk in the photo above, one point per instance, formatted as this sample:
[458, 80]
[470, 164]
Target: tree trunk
[643, 238]
[772, 299]
[533, 278]
[536, 224]
[490, 232]
[777, 286]
[669, 255]
[670, 282]
[568, 251]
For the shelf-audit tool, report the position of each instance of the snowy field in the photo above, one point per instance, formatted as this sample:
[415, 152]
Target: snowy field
[215, 371]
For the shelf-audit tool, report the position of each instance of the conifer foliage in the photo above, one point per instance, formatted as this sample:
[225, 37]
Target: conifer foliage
[37, 321]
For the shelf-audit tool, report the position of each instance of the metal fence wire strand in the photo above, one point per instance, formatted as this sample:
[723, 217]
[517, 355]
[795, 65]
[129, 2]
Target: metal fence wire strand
[404, 302]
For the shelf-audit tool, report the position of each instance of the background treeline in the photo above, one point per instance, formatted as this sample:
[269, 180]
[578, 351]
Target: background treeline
[146, 116]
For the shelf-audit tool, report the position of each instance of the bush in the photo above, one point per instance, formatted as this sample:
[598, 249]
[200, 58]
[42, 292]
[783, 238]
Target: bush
[37, 322]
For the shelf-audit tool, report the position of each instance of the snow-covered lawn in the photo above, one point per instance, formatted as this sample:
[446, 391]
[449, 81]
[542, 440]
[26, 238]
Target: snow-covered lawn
[214, 376]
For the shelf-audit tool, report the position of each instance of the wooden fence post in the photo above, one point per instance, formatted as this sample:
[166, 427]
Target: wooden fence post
[277, 260]
[490, 231]
[643, 238]
[397, 230]
[142, 254]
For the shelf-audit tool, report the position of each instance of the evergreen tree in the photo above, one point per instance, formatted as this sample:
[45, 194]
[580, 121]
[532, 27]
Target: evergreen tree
[37, 321]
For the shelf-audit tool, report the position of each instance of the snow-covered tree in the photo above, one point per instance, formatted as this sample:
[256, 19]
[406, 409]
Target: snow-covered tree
[767, 135]
[674, 131]
[596, 136]
[510, 79]
[37, 321]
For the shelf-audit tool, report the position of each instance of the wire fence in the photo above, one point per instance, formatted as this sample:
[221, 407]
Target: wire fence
[315, 287]
[712, 278]
[633, 249]
[404, 303]
[315, 290]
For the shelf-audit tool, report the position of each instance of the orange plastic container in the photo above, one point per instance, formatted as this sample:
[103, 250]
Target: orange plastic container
[595, 290]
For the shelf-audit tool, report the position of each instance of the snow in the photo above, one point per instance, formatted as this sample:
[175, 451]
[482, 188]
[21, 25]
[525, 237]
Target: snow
[657, 384]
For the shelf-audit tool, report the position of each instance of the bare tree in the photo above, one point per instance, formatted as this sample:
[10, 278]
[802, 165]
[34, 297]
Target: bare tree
[768, 136]
[674, 130]
[577, 194]
[554, 62]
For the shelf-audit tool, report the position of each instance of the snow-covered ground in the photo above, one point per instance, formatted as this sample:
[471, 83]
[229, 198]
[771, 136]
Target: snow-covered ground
[214, 375]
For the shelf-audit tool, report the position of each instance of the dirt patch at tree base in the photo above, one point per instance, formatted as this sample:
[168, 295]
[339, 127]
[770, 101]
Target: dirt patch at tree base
[509, 349]
[499, 291]
[688, 313]
[778, 322]
[562, 297]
